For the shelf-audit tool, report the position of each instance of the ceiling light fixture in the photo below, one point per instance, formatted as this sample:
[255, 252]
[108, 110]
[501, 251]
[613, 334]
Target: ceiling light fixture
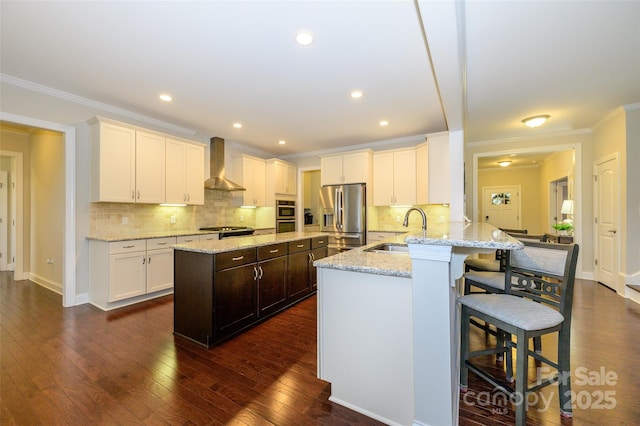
[282, 142]
[357, 94]
[504, 163]
[535, 121]
[165, 97]
[304, 39]
[384, 123]
[237, 125]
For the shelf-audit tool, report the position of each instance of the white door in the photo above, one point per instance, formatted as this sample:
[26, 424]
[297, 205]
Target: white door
[606, 200]
[501, 206]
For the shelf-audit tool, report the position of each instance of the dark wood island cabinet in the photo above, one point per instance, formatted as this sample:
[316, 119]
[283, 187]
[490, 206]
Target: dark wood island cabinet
[220, 291]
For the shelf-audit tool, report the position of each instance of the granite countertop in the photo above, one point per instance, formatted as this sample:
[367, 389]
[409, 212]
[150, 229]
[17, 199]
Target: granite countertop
[159, 234]
[144, 236]
[458, 234]
[230, 244]
[477, 235]
[359, 260]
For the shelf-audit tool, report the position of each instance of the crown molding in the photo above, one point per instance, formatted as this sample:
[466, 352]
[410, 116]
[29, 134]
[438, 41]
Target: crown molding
[402, 142]
[538, 136]
[39, 88]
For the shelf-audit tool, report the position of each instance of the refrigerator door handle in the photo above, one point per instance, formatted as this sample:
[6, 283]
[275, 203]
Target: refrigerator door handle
[339, 207]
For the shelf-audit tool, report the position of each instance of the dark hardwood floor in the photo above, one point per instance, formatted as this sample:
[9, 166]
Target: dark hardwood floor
[82, 366]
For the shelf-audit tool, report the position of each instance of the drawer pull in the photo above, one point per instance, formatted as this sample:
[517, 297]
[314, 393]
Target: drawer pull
[186, 241]
[131, 246]
[237, 258]
[274, 251]
[164, 244]
[321, 242]
[300, 245]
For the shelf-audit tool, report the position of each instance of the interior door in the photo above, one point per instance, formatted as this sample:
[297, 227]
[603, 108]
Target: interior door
[501, 206]
[606, 200]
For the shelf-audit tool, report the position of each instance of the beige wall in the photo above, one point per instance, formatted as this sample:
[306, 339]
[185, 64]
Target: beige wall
[18, 141]
[47, 208]
[633, 196]
[528, 178]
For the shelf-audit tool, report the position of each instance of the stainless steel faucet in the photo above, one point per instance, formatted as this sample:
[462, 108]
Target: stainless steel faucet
[424, 217]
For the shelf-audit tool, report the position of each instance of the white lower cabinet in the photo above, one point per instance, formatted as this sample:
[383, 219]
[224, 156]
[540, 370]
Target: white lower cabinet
[131, 271]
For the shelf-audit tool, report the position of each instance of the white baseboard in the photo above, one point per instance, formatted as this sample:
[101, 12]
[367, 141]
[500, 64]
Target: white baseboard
[46, 283]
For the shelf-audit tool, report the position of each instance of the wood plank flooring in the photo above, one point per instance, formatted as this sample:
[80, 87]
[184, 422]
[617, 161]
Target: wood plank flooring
[81, 366]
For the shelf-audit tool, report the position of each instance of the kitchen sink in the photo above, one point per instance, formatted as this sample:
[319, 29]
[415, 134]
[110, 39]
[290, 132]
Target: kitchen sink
[389, 248]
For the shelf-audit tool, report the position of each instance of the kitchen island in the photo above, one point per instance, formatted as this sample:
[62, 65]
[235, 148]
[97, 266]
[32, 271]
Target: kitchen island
[226, 286]
[387, 327]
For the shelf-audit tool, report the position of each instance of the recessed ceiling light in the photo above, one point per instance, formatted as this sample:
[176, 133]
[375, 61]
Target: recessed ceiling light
[384, 123]
[356, 94]
[535, 121]
[165, 97]
[282, 142]
[504, 163]
[304, 38]
[237, 125]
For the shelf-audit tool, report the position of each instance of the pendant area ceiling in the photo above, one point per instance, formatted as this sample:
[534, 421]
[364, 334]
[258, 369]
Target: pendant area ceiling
[237, 61]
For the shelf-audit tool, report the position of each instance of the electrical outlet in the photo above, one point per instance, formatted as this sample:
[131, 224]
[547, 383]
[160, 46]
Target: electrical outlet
[241, 218]
[125, 220]
[397, 218]
[172, 219]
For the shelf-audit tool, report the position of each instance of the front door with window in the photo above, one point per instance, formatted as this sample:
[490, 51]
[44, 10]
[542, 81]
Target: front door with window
[501, 206]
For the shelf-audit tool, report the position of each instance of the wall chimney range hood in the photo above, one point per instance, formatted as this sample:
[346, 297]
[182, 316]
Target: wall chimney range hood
[217, 181]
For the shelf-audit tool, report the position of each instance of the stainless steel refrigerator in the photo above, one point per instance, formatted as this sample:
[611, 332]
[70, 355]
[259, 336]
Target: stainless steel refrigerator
[344, 216]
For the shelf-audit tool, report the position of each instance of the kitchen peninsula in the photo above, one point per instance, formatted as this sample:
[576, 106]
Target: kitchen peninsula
[387, 327]
[223, 287]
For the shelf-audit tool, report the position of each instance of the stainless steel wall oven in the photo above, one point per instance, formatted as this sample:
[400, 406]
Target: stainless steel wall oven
[285, 216]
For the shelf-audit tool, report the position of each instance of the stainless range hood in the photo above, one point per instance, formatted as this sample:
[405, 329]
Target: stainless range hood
[217, 180]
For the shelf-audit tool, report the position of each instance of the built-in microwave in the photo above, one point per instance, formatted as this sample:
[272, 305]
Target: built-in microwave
[285, 210]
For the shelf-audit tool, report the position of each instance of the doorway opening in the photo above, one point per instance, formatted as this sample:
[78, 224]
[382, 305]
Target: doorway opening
[558, 196]
[64, 221]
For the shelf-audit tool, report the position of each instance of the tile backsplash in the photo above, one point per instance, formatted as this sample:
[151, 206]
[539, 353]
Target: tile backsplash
[218, 210]
[391, 218]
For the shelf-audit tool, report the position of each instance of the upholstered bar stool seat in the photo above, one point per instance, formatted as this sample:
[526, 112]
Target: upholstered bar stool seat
[519, 312]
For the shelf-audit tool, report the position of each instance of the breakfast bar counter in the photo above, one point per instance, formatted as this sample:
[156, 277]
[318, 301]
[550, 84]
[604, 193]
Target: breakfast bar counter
[387, 326]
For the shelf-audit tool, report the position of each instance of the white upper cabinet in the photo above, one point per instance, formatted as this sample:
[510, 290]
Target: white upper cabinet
[195, 174]
[150, 168]
[281, 179]
[434, 170]
[185, 173]
[113, 163]
[285, 178]
[250, 172]
[394, 177]
[352, 167]
[130, 165]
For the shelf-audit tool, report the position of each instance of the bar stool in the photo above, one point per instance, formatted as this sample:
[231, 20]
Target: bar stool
[536, 301]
